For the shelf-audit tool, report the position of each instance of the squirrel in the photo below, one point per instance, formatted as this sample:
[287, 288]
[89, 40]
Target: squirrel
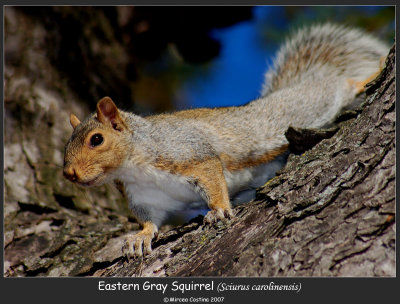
[168, 162]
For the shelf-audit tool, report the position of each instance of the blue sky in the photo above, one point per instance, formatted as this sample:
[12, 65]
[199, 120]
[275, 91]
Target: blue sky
[236, 76]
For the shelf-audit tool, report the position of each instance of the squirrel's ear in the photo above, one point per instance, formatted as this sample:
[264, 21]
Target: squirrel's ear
[107, 113]
[74, 120]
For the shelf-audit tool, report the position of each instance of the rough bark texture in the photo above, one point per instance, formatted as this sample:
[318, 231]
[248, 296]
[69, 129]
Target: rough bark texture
[50, 226]
[329, 212]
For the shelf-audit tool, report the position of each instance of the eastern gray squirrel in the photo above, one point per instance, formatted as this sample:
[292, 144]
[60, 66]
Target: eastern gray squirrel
[167, 162]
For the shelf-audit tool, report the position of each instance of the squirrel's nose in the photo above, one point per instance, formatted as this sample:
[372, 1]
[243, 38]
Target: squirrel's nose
[70, 174]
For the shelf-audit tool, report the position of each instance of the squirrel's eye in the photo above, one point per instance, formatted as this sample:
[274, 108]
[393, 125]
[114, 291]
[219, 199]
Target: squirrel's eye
[96, 139]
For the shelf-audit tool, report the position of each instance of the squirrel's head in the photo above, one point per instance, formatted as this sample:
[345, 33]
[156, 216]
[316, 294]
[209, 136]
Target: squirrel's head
[97, 146]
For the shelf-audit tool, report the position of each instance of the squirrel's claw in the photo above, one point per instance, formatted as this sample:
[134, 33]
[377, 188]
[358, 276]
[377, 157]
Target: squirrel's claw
[137, 245]
[219, 214]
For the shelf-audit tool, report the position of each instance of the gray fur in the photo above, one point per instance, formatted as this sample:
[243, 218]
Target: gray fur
[355, 54]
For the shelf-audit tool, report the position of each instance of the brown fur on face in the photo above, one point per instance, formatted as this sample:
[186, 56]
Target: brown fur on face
[88, 164]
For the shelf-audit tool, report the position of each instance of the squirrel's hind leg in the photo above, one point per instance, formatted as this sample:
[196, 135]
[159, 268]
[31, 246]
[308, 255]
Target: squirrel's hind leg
[210, 182]
[359, 86]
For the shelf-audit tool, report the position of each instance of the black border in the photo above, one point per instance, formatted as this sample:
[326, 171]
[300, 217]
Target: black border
[313, 290]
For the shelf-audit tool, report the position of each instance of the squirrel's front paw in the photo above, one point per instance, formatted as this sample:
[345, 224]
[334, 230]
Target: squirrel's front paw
[139, 244]
[219, 214]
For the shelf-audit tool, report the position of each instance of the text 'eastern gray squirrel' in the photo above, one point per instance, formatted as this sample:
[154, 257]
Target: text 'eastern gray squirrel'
[168, 162]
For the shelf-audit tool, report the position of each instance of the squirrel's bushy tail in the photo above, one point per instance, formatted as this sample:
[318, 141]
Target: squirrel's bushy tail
[324, 51]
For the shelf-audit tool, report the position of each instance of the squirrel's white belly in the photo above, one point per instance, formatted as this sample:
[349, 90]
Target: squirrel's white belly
[165, 192]
[157, 189]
